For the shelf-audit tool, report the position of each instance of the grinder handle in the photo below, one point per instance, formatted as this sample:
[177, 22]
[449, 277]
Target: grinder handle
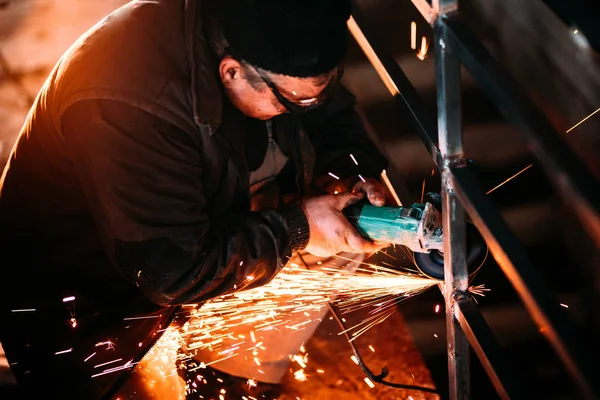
[352, 213]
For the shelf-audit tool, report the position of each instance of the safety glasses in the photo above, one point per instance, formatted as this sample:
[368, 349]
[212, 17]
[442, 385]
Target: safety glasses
[302, 105]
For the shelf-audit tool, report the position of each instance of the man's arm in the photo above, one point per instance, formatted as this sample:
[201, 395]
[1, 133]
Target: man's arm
[337, 131]
[142, 178]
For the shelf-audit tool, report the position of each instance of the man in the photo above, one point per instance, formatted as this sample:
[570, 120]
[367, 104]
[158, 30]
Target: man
[176, 148]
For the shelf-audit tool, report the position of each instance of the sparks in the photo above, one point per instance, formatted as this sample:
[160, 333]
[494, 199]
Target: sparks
[582, 121]
[68, 299]
[437, 308]
[413, 35]
[564, 305]
[64, 351]
[361, 178]
[389, 186]
[478, 290]
[90, 356]
[371, 348]
[300, 360]
[353, 358]
[353, 159]
[300, 375]
[134, 318]
[368, 382]
[334, 176]
[511, 178]
[109, 345]
[251, 383]
[24, 310]
[422, 53]
[107, 363]
[297, 291]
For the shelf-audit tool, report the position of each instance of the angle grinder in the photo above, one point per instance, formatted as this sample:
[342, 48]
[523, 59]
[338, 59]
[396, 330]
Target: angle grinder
[419, 228]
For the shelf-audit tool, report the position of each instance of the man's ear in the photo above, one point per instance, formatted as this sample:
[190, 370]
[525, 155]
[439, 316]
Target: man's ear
[230, 70]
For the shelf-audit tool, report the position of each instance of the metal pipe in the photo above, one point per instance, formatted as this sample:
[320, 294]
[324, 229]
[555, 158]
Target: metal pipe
[444, 7]
[541, 303]
[488, 351]
[508, 252]
[429, 13]
[568, 174]
[394, 78]
[456, 280]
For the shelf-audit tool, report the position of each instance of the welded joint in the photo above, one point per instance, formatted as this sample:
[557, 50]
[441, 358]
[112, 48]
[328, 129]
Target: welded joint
[460, 296]
[429, 14]
[453, 161]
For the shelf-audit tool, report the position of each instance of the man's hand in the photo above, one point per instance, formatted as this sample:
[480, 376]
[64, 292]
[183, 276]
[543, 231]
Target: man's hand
[373, 189]
[330, 231]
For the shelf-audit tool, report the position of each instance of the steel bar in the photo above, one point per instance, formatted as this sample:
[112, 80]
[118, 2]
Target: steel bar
[456, 279]
[541, 303]
[427, 11]
[397, 83]
[444, 8]
[569, 175]
[488, 351]
[509, 253]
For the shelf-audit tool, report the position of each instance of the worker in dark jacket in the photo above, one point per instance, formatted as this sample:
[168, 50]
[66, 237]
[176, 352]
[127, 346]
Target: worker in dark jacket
[128, 192]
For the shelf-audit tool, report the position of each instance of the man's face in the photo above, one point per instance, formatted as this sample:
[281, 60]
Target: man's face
[253, 91]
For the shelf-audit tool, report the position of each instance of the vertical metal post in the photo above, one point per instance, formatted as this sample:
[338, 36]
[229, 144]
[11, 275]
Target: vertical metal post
[451, 149]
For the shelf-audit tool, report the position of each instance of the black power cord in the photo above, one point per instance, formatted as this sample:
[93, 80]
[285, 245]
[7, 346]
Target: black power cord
[384, 371]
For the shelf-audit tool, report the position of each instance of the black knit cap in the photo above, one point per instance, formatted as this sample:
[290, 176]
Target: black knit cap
[299, 38]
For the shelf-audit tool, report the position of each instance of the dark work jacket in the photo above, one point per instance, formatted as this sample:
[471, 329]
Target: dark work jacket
[127, 196]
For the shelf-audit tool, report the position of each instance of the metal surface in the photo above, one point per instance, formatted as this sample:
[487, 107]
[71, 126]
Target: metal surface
[426, 10]
[455, 265]
[570, 177]
[488, 351]
[397, 83]
[541, 303]
[444, 7]
[459, 181]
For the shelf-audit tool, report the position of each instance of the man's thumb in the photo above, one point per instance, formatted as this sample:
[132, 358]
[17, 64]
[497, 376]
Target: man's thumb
[343, 200]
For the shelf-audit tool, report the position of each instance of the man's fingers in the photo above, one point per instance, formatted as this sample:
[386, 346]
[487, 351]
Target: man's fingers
[377, 199]
[357, 243]
[343, 200]
[374, 191]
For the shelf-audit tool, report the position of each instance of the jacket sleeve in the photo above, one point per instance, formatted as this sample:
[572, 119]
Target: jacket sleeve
[143, 181]
[337, 131]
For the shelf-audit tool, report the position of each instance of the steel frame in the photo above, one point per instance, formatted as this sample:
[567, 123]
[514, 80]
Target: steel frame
[456, 45]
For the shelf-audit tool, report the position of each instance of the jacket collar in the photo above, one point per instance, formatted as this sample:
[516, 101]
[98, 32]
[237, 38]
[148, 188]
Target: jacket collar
[207, 95]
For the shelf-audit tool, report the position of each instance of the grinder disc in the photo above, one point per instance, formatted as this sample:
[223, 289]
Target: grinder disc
[432, 263]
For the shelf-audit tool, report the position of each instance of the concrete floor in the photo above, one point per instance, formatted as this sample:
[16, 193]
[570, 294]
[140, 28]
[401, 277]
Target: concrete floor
[33, 35]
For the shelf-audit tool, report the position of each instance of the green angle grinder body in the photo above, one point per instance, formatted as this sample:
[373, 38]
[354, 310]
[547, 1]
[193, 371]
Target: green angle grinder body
[419, 228]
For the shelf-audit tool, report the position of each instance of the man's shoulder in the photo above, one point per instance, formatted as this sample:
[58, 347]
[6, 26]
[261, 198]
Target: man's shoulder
[137, 54]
